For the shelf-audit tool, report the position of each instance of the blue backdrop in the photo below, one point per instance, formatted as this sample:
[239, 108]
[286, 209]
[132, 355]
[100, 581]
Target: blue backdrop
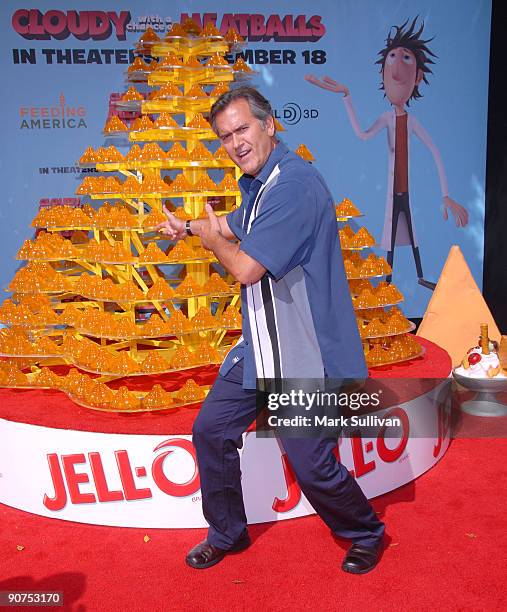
[47, 67]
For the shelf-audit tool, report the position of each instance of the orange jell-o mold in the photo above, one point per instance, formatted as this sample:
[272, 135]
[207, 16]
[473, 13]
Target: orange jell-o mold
[168, 90]
[196, 91]
[191, 392]
[205, 353]
[376, 356]
[216, 283]
[165, 120]
[160, 290]
[176, 30]
[152, 151]
[200, 152]
[180, 184]
[131, 185]
[137, 64]
[152, 253]
[125, 327]
[209, 29]
[154, 218]
[154, 363]
[115, 124]
[146, 123]
[191, 27]
[88, 156]
[181, 213]
[178, 322]
[193, 62]
[154, 326]
[363, 238]
[157, 398]
[217, 60]
[219, 89]
[177, 152]
[180, 252]
[231, 317]
[15, 378]
[198, 121]
[221, 153]
[205, 183]
[241, 65]
[131, 94]
[45, 346]
[346, 209]
[228, 183]
[376, 328]
[149, 35]
[304, 153]
[134, 154]
[154, 184]
[233, 36]
[188, 287]
[203, 319]
[47, 378]
[182, 358]
[125, 400]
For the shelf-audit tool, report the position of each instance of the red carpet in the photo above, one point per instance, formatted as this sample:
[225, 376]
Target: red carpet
[446, 550]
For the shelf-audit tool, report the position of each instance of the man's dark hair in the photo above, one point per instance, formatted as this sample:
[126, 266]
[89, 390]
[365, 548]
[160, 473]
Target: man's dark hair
[408, 39]
[259, 106]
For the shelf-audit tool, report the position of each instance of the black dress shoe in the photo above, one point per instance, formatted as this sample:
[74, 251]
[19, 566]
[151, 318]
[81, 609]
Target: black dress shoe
[206, 555]
[361, 559]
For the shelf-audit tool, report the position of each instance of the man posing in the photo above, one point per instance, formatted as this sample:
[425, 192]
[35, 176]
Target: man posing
[298, 322]
[404, 63]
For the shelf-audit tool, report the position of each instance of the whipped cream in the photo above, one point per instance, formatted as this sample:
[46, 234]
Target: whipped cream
[480, 369]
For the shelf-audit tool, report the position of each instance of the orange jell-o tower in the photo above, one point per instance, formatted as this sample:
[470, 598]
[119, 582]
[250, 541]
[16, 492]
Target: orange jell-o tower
[198, 121]
[157, 398]
[115, 124]
[177, 152]
[191, 392]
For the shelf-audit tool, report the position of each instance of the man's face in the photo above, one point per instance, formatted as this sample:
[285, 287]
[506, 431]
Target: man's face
[400, 75]
[243, 136]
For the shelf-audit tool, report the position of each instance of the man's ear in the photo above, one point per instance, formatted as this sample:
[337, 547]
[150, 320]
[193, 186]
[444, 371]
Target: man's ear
[419, 77]
[270, 125]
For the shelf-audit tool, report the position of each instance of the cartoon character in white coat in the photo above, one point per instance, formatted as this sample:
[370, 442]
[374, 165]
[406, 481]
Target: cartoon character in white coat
[404, 63]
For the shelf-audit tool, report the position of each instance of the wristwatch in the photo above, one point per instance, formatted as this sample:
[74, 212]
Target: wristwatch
[187, 228]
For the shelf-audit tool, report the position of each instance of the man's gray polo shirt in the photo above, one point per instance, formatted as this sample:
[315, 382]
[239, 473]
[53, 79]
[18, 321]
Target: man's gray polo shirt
[298, 320]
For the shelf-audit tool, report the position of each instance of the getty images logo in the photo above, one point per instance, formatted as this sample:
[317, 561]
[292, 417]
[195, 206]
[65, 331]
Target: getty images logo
[56, 117]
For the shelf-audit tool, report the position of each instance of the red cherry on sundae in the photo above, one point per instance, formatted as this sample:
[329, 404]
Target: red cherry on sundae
[474, 358]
